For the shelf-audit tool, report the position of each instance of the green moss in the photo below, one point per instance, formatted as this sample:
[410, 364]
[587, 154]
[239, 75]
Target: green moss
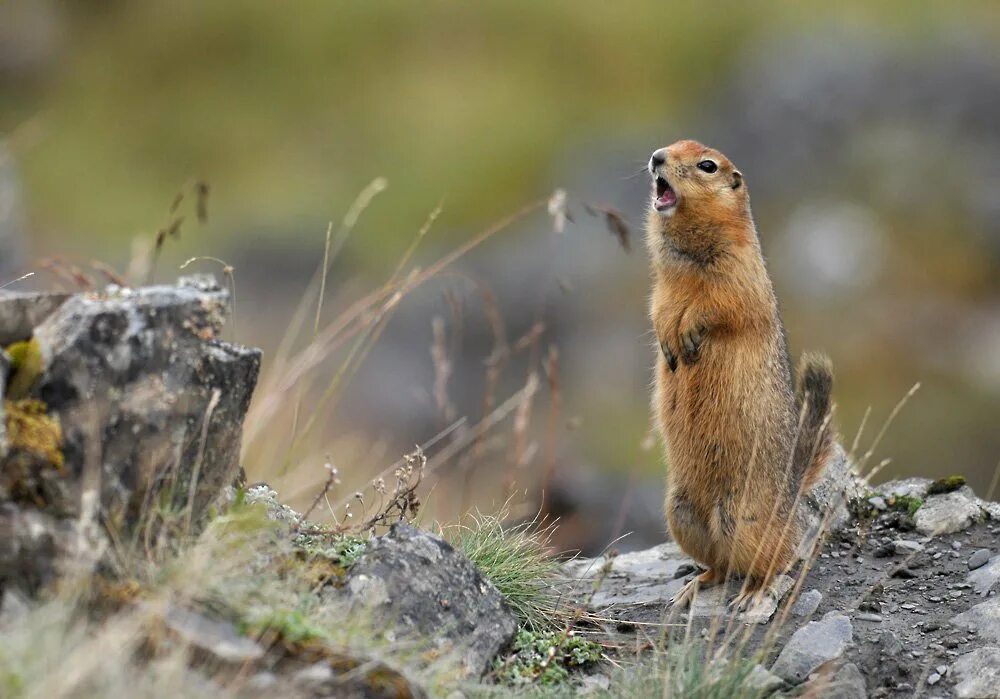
[905, 503]
[25, 365]
[545, 658]
[946, 485]
[32, 470]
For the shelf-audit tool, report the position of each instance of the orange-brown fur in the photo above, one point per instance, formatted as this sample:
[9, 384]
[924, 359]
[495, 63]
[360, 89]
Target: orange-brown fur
[741, 444]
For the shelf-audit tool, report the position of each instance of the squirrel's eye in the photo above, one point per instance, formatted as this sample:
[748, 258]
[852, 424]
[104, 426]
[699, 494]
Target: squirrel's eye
[708, 166]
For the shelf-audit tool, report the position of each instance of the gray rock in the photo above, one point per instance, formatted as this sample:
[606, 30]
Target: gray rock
[22, 312]
[985, 577]
[825, 506]
[418, 584]
[812, 645]
[869, 616]
[148, 397]
[984, 618]
[878, 502]
[220, 638]
[911, 487]
[807, 603]
[763, 680]
[634, 579]
[637, 581]
[147, 401]
[846, 683]
[977, 674]
[905, 547]
[948, 513]
[979, 558]
[316, 674]
[992, 510]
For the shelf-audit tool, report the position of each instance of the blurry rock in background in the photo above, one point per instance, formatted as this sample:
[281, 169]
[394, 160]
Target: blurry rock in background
[12, 223]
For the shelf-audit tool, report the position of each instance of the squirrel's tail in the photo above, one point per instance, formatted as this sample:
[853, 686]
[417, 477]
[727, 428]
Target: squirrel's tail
[813, 398]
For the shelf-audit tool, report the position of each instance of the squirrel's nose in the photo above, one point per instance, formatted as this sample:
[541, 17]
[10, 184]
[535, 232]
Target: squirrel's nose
[657, 159]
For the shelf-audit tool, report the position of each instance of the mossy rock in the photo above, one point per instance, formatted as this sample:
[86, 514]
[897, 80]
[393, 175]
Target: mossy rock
[945, 485]
[33, 469]
[26, 366]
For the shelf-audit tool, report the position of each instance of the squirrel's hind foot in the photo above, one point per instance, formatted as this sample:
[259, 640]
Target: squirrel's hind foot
[686, 594]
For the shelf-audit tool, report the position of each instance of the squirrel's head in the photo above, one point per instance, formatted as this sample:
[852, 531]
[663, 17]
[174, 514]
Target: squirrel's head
[697, 192]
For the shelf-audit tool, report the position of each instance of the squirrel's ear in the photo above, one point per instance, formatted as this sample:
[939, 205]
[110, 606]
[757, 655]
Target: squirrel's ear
[737, 179]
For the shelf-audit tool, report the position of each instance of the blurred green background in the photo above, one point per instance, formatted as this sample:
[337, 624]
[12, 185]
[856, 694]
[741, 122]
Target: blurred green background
[867, 131]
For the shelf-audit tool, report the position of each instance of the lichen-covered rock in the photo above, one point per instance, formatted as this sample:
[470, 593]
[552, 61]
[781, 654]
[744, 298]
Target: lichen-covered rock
[417, 584]
[21, 312]
[148, 397]
[132, 397]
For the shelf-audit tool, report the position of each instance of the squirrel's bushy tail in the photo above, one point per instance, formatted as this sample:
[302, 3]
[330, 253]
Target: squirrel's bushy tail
[813, 398]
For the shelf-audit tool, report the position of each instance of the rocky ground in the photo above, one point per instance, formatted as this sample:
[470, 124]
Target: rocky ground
[902, 599]
[122, 414]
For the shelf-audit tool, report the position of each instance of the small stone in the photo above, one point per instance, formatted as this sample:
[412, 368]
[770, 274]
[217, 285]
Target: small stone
[317, 673]
[956, 545]
[979, 559]
[812, 645]
[904, 573]
[868, 616]
[905, 547]
[941, 669]
[878, 502]
[807, 603]
[763, 680]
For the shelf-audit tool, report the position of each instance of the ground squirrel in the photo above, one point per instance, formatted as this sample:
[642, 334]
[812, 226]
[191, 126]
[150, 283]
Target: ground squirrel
[742, 442]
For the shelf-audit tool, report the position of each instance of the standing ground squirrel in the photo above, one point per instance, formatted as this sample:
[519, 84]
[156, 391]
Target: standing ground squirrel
[742, 442]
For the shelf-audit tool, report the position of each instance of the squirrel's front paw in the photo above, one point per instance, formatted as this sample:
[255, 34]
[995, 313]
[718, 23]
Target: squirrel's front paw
[669, 356]
[691, 342]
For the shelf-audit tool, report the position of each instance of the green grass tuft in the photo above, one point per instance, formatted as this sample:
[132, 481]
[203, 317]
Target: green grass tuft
[516, 560]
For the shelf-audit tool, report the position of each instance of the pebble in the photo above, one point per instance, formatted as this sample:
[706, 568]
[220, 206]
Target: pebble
[807, 603]
[878, 503]
[979, 559]
[956, 545]
[868, 616]
[941, 669]
[933, 679]
[906, 546]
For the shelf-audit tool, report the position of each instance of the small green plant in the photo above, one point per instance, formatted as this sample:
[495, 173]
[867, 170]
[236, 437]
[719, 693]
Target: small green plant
[545, 658]
[340, 549]
[516, 560]
[289, 626]
[905, 503]
[863, 509]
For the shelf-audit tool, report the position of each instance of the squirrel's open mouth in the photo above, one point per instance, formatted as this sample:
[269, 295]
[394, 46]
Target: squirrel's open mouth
[665, 195]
